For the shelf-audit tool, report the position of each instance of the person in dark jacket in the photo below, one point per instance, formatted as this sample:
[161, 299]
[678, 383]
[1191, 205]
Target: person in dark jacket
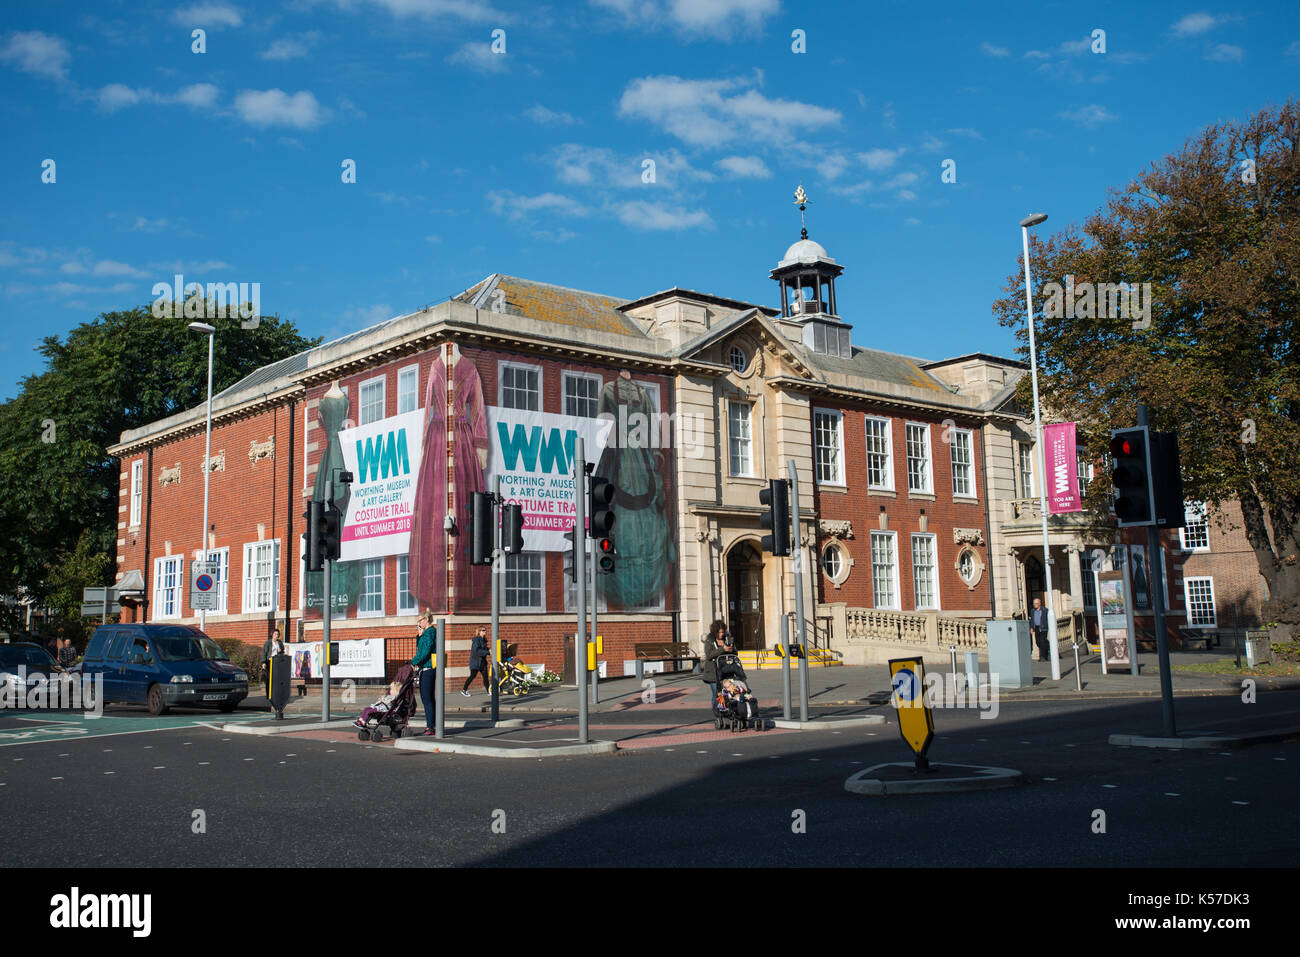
[716, 642]
[1038, 621]
[270, 648]
[478, 661]
[424, 661]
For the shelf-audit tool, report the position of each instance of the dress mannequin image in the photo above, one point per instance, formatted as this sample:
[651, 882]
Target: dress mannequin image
[345, 581]
[642, 534]
[428, 549]
[469, 458]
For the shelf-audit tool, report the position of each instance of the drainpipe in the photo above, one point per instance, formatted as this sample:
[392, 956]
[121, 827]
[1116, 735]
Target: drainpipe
[148, 517]
[988, 527]
[288, 509]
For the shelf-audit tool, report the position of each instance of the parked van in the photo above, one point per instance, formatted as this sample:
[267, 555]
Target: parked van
[164, 666]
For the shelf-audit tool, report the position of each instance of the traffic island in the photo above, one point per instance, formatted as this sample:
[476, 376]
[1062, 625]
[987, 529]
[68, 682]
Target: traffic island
[903, 778]
[1203, 740]
[505, 749]
[291, 725]
[829, 723]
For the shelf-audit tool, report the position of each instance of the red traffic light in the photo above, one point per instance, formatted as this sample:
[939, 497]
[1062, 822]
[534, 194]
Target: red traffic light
[1120, 446]
[606, 545]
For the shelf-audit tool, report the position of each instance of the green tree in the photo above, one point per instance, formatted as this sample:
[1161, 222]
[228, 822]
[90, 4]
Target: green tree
[1215, 230]
[58, 485]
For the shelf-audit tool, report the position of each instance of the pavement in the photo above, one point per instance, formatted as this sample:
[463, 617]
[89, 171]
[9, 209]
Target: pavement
[836, 694]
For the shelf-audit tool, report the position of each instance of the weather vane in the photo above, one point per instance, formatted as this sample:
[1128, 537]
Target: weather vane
[801, 200]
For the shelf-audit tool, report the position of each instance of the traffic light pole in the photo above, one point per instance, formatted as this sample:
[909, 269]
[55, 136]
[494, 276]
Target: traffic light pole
[796, 545]
[327, 613]
[580, 573]
[1158, 607]
[595, 673]
[498, 569]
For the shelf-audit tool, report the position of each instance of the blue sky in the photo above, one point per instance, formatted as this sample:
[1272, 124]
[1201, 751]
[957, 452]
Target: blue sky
[227, 165]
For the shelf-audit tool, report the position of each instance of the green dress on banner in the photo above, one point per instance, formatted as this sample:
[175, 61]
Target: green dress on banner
[345, 578]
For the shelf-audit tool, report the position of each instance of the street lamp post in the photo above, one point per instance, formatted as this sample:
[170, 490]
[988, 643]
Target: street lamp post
[1034, 220]
[209, 331]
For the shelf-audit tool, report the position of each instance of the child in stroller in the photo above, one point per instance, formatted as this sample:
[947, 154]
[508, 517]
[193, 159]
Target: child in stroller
[735, 706]
[512, 680]
[393, 711]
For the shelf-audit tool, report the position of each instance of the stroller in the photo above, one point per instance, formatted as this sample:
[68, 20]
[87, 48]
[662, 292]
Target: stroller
[512, 680]
[736, 711]
[393, 711]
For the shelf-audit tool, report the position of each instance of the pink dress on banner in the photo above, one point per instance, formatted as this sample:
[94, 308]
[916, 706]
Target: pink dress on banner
[428, 549]
[470, 434]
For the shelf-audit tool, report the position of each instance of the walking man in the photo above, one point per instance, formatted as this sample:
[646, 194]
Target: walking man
[1038, 622]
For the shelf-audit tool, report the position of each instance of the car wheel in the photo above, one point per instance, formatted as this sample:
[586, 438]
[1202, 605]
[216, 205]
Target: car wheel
[157, 705]
[227, 706]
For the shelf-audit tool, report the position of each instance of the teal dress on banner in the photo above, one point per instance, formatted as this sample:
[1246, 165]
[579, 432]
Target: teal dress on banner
[345, 578]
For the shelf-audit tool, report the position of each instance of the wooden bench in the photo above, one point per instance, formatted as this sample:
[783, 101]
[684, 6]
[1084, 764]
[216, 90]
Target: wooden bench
[674, 651]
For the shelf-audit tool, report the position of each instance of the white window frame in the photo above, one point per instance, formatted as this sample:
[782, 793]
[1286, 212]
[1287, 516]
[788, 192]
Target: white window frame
[838, 415]
[568, 377]
[1187, 602]
[875, 594]
[952, 461]
[748, 439]
[929, 458]
[540, 558]
[222, 557]
[361, 399]
[371, 613]
[934, 571]
[406, 603]
[505, 364]
[1022, 449]
[160, 612]
[1188, 509]
[250, 603]
[410, 374]
[137, 492]
[888, 453]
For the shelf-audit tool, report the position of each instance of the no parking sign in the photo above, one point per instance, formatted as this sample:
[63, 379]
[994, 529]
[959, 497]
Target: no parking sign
[203, 585]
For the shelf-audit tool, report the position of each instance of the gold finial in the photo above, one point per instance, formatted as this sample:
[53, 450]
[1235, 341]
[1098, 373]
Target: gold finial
[801, 200]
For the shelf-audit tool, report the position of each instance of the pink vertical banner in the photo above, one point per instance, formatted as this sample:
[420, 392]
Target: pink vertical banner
[1062, 469]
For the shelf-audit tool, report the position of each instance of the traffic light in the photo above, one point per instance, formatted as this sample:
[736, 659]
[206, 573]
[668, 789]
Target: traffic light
[315, 551]
[600, 511]
[1131, 476]
[481, 528]
[776, 517]
[512, 529]
[605, 556]
[331, 525]
[1167, 480]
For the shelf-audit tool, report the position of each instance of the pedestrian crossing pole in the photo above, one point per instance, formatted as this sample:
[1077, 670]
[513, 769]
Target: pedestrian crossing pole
[796, 542]
[580, 573]
[498, 579]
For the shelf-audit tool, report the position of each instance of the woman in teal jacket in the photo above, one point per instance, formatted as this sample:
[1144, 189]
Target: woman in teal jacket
[423, 660]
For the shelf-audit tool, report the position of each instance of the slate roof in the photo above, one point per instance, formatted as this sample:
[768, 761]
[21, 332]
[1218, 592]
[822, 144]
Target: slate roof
[553, 304]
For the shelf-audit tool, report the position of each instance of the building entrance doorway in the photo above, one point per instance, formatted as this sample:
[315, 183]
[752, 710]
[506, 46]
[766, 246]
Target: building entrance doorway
[1035, 581]
[745, 596]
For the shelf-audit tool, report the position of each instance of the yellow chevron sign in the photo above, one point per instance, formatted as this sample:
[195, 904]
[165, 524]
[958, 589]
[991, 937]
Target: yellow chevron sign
[915, 723]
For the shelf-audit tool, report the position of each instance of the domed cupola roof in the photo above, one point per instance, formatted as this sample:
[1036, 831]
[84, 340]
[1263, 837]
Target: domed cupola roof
[805, 251]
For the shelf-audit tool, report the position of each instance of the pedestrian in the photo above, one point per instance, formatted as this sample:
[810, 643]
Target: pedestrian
[716, 642]
[273, 646]
[424, 660]
[1038, 622]
[478, 661]
[67, 654]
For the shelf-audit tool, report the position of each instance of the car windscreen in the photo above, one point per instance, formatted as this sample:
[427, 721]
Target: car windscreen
[188, 647]
[11, 657]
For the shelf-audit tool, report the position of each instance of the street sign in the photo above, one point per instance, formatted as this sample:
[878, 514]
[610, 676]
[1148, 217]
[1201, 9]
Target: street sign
[96, 609]
[203, 585]
[915, 723]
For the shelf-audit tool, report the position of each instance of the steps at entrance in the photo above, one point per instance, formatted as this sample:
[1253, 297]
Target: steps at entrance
[750, 660]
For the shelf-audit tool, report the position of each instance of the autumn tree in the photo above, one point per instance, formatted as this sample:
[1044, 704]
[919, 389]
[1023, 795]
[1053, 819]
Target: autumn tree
[1215, 230]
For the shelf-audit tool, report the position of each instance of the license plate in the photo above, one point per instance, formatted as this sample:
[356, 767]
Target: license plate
[214, 697]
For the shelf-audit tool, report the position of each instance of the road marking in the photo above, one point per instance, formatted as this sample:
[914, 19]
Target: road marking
[1024, 742]
[1071, 745]
[148, 747]
[201, 763]
[1172, 794]
[1110, 785]
[814, 759]
[736, 754]
[248, 759]
[110, 772]
[701, 752]
[108, 750]
[1279, 759]
[329, 750]
[1049, 779]
[56, 779]
[160, 767]
[1242, 803]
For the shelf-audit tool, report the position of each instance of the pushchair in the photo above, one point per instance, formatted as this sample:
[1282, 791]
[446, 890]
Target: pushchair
[392, 712]
[512, 678]
[736, 711]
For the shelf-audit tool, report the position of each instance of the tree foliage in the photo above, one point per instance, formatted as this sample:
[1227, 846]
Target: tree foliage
[58, 485]
[1215, 230]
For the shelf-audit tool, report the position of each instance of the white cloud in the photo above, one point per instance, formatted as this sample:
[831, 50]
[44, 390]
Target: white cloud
[700, 112]
[830, 165]
[209, 16]
[72, 268]
[597, 166]
[717, 19]
[966, 131]
[290, 48]
[1090, 115]
[990, 50]
[275, 107]
[1194, 23]
[478, 56]
[656, 217]
[902, 179]
[115, 96]
[745, 167]
[1225, 53]
[39, 54]
[146, 225]
[879, 159]
[475, 11]
[516, 206]
[196, 95]
[108, 267]
[541, 115]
